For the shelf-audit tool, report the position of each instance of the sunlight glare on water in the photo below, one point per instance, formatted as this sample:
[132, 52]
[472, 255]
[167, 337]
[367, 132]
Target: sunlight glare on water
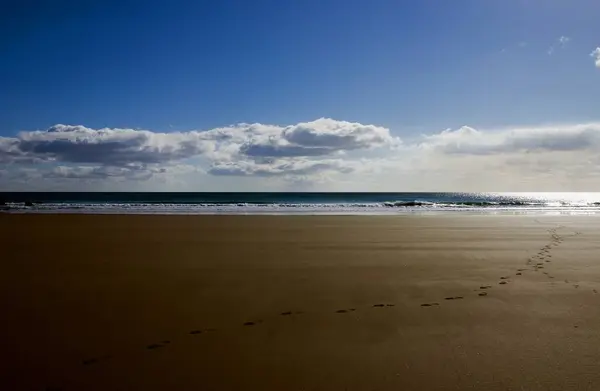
[555, 198]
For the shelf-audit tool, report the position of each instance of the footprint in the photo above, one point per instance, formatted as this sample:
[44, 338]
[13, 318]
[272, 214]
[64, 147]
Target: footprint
[286, 313]
[90, 361]
[194, 332]
[252, 323]
[155, 346]
[576, 285]
[504, 278]
[485, 287]
[519, 274]
[454, 298]
[502, 282]
[483, 293]
[95, 360]
[378, 305]
[429, 304]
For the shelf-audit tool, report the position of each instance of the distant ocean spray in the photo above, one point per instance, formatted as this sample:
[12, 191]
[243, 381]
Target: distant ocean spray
[296, 203]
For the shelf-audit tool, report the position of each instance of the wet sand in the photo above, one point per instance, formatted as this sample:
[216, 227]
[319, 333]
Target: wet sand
[448, 302]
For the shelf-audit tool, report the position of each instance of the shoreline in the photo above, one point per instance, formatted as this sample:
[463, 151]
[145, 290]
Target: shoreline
[318, 213]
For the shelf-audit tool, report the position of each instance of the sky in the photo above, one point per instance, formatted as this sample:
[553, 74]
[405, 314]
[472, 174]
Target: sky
[315, 95]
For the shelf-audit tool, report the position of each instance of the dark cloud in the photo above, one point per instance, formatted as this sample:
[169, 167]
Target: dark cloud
[117, 147]
[280, 168]
[103, 172]
[270, 150]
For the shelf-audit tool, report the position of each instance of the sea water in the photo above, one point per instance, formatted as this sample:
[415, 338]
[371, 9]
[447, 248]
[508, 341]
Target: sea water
[297, 203]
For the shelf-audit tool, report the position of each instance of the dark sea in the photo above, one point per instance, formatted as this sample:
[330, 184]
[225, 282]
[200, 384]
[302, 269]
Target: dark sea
[297, 203]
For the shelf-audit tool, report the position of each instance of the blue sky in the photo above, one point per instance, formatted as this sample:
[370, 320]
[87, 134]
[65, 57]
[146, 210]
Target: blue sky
[412, 67]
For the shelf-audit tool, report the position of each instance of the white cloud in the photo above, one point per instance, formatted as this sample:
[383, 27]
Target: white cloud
[596, 55]
[469, 141]
[545, 158]
[243, 149]
[318, 155]
[317, 138]
[563, 41]
[117, 147]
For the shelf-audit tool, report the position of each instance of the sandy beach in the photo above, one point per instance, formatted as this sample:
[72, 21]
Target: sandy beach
[444, 302]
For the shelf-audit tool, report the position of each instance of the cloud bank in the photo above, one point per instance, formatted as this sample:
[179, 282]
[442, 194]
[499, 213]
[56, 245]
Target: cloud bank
[125, 147]
[329, 154]
[469, 141]
[78, 152]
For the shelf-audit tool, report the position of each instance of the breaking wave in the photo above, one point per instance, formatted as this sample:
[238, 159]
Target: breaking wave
[386, 207]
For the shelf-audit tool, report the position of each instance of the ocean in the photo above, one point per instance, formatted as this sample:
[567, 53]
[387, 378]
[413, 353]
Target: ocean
[297, 203]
